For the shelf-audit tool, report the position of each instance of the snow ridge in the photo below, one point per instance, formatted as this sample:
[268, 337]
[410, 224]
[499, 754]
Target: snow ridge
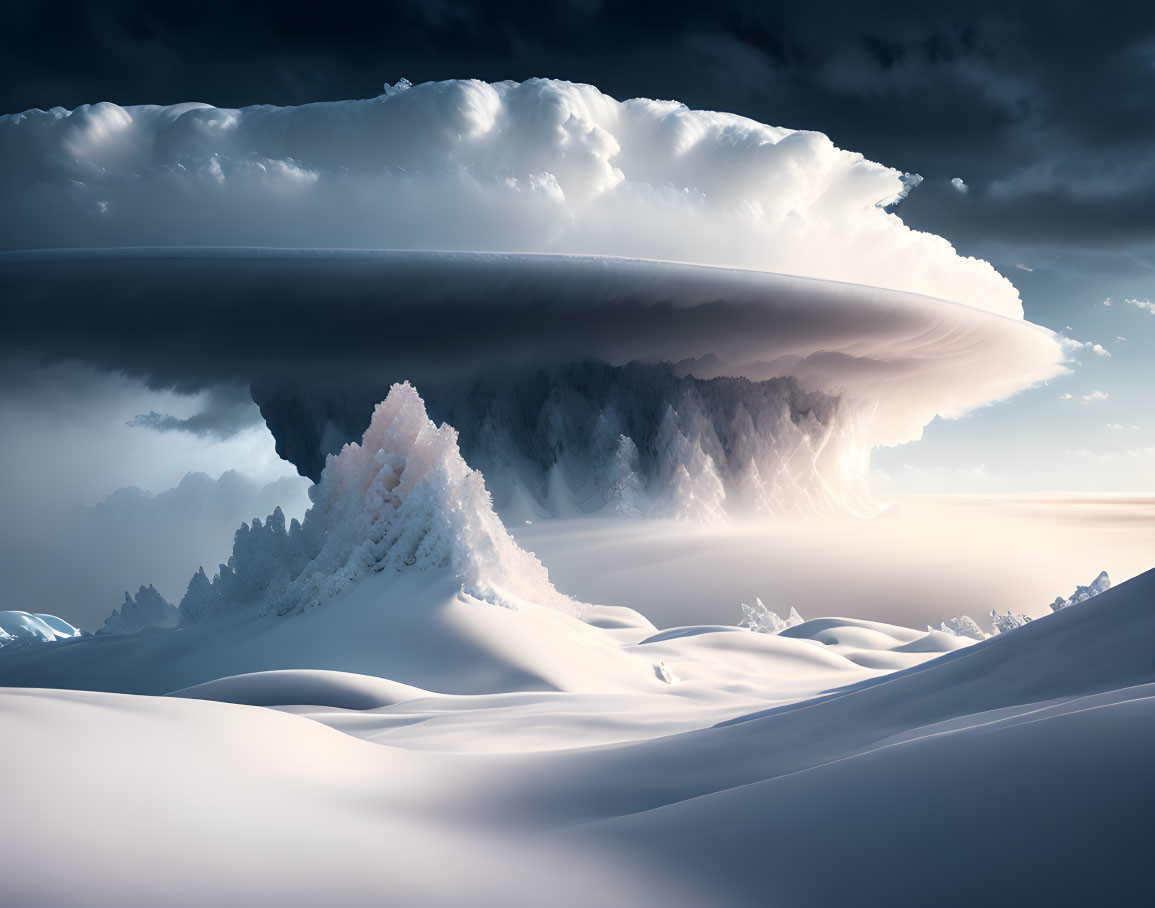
[402, 498]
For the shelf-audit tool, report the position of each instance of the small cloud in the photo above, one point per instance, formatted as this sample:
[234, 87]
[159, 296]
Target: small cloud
[1106, 303]
[1098, 349]
[1095, 395]
[1142, 304]
[1023, 267]
[1064, 397]
[1110, 456]
[960, 186]
[1119, 427]
[1120, 339]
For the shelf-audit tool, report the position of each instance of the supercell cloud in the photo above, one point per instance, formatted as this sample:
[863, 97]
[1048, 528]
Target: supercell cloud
[730, 314]
[539, 166]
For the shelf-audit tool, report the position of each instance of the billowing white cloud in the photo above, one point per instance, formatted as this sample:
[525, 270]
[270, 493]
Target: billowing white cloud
[539, 166]
[1095, 395]
[959, 185]
[1146, 305]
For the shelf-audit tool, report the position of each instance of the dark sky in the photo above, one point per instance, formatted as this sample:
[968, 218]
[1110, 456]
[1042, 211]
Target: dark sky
[1046, 110]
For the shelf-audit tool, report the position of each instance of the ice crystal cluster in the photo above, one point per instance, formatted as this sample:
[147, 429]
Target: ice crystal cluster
[759, 618]
[1100, 584]
[403, 498]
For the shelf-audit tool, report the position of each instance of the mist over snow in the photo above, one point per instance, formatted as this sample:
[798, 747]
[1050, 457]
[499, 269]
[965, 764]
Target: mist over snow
[538, 166]
[94, 506]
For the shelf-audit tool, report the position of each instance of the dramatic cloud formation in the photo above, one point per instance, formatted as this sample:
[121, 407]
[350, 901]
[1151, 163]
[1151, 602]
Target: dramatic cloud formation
[1049, 101]
[575, 228]
[253, 316]
[465, 165]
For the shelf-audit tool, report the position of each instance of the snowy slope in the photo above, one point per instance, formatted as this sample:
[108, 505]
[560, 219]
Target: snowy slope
[1015, 771]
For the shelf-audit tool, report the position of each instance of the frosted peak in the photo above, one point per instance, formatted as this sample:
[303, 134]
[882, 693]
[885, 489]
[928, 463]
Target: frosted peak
[402, 498]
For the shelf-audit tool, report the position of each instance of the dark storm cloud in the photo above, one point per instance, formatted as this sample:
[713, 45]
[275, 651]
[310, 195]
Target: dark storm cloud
[989, 92]
[192, 319]
[227, 410]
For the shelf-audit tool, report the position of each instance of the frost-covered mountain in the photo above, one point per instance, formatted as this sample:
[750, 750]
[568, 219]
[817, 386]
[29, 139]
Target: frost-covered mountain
[401, 569]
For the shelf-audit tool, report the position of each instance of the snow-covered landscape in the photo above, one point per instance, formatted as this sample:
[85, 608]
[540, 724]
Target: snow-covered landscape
[393, 684]
[493, 350]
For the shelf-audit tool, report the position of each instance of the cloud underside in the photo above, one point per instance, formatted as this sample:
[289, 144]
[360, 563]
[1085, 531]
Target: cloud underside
[200, 319]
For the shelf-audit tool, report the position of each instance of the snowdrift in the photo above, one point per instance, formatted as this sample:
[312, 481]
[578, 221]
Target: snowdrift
[23, 628]
[1035, 743]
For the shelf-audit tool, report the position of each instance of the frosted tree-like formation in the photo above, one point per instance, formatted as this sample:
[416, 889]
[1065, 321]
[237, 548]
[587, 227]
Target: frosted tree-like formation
[401, 499]
[759, 618]
[638, 440]
[962, 626]
[1007, 621]
[1100, 584]
[147, 609]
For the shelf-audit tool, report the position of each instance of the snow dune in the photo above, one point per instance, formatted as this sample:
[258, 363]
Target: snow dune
[1034, 744]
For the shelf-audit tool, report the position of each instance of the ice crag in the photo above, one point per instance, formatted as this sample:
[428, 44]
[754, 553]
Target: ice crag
[1100, 584]
[759, 618]
[962, 626]
[1007, 621]
[401, 499]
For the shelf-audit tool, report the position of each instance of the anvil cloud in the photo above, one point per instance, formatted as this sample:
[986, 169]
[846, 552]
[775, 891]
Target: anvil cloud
[520, 226]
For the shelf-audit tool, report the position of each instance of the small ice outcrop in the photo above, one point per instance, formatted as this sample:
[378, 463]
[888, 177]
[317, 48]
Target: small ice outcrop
[1100, 584]
[402, 498]
[759, 618]
[1008, 622]
[662, 673]
[962, 626]
[22, 628]
[147, 609]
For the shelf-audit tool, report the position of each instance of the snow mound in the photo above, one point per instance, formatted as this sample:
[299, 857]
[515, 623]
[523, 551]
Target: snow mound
[1100, 584]
[18, 627]
[402, 498]
[147, 609]
[313, 687]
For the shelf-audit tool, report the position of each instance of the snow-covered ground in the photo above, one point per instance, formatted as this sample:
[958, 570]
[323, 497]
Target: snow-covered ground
[392, 704]
[1012, 771]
